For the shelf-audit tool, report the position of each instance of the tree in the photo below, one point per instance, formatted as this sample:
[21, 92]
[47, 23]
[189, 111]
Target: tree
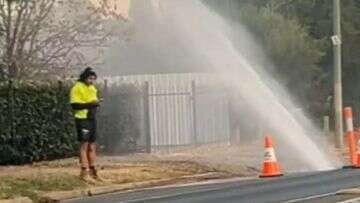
[317, 16]
[43, 37]
[294, 54]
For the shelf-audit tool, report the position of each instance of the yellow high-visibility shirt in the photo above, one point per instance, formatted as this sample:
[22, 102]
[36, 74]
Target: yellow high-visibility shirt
[82, 94]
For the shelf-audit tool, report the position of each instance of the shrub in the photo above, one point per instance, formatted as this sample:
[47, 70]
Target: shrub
[36, 122]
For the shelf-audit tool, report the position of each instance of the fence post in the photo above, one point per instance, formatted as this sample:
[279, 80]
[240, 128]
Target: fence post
[326, 125]
[193, 94]
[104, 113]
[105, 91]
[235, 126]
[147, 117]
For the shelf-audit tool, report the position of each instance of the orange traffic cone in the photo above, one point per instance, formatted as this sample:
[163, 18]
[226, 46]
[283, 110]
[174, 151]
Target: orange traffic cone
[271, 167]
[358, 155]
[350, 134]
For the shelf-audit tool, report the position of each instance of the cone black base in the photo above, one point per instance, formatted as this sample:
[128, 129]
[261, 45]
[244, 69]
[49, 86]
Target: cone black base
[271, 176]
[351, 167]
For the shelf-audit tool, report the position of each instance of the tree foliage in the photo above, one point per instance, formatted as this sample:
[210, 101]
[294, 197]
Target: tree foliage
[41, 37]
[295, 35]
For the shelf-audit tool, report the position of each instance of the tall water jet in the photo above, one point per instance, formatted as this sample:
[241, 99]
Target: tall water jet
[186, 36]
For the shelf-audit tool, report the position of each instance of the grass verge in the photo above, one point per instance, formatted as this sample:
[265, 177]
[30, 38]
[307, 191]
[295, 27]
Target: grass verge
[31, 186]
[32, 181]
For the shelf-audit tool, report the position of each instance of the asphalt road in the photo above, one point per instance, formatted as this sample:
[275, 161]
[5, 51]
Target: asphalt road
[335, 198]
[288, 188]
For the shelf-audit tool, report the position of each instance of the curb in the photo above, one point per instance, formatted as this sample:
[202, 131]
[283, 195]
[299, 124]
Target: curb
[354, 200]
[62, 195]
[17, 200]
[65, 195]
[352, 191]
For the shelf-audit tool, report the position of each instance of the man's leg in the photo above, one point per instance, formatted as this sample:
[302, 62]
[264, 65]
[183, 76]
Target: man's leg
[91, 154]
[84, 161]
[92, 159]
[84, 139]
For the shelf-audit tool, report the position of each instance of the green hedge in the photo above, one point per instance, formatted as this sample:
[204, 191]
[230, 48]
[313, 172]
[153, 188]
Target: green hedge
[36, 122]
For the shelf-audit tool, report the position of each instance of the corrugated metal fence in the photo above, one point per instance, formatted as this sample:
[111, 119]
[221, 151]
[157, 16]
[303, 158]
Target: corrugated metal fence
[181, 109]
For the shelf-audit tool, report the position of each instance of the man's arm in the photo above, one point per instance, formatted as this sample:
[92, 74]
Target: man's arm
[81, 106]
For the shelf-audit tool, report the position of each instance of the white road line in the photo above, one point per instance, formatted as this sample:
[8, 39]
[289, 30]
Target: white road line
[157, 197]
[311, 197]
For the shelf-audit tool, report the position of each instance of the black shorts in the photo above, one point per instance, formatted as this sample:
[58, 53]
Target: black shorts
[86, 130]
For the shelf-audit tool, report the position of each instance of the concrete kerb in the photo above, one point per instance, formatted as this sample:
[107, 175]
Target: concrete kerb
[351, 191]
[65, 195]
[17, 200]
[354, 200]
[61, 195]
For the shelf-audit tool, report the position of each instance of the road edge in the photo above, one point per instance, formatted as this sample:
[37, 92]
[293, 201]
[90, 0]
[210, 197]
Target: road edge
[94, 191]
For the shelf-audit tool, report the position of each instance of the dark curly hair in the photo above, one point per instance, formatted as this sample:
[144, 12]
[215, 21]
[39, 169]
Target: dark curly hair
[87, 73]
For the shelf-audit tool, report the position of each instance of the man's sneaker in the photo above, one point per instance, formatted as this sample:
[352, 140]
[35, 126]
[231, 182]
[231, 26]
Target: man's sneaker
[94, 174]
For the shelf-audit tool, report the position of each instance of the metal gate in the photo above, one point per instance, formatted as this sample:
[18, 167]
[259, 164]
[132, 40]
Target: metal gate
[171, 116]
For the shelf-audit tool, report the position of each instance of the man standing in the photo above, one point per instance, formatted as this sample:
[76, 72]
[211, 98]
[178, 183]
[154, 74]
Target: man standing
[84, 102]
